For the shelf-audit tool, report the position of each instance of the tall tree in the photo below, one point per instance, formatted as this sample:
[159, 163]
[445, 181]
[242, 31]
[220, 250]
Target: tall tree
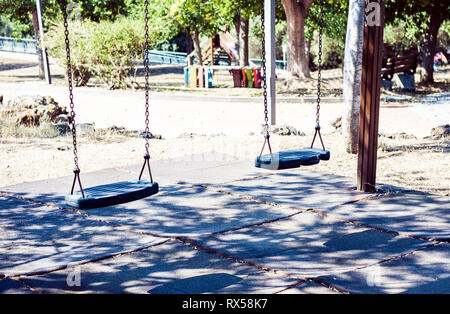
[199, 17]
[296, 13]
[352, 75]
[25, 18]
[239, 12]
[429, 12]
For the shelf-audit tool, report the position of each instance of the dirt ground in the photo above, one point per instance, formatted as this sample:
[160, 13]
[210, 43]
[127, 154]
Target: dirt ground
[418, 164]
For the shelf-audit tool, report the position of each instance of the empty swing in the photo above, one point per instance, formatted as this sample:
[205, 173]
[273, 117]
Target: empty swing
[119, 192]
[297, 157]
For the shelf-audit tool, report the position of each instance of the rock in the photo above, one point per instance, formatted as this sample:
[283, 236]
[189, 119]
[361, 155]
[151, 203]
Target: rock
[1, 100]
[440, 131]
[32, 110]
[63, 118]
[85, 128]
[337, 124]
[149, 135]
[283, 130]
[63, 128]
[183, 135]
[63, 148]
[401, 135]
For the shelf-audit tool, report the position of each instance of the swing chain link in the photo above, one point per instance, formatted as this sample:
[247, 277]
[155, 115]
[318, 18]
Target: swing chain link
[319, 60]
[146, 65]
[264, 68]
[70, 83]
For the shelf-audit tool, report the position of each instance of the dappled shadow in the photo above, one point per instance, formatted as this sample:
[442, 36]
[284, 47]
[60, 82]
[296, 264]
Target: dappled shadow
[424, 272]
[197, 284]
[16, 66]
[260, 219]
[54, 239]
[168, 268]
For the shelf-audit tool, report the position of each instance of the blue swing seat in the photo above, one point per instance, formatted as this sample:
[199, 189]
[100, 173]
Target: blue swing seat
[112, 194]
[292, 159]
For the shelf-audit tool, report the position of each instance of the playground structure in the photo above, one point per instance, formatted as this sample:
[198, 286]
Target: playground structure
[221, 54]
[227, 227]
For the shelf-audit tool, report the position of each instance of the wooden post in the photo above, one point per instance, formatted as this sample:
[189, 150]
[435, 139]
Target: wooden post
[370, 94]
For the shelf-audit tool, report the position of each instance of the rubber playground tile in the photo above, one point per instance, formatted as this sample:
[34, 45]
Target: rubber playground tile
[56, 240]
[416, 214]
[309, 245]
[423, 272]
[13, 209]
[171, 268]
[185, 210]
[298, 188]
[10, 286]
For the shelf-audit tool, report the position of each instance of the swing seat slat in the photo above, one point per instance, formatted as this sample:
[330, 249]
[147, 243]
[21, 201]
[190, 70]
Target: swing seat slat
[112, 194]
[291, 159]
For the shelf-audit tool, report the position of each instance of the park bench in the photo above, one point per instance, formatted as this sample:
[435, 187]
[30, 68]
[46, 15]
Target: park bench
[401, 64]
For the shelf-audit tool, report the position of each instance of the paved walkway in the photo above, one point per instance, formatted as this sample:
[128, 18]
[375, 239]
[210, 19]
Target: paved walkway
[224, 227]
[175, 114]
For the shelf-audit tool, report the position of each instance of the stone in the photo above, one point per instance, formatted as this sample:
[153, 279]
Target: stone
[63, 128]
[283, 130]
[440, 131]
[401, 135]
[32, 110]
[149, 135]
[85, 128]
[337, 124]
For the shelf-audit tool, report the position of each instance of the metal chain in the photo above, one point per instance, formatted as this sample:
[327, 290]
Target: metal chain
[69, 79]
[264, 84]
[146, 65]
[147, 74]
[319, 60]
[264, 78]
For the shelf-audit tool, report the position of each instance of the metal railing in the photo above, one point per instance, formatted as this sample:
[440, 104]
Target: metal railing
[167, 57]
[18, 45]
[280, 64]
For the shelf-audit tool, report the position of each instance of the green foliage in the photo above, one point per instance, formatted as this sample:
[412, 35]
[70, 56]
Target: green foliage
[418, 10]
[6, 27]
[96, 10]
[19, 14]
[402, 36]
[106, 50]
[203, 16]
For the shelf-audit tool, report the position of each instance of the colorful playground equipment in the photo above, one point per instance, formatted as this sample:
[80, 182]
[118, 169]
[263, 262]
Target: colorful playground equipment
[202, 76]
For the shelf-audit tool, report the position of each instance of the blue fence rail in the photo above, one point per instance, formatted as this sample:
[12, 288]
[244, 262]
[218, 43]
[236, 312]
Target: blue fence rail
[180, 58]
[167, 57]
[280, 64]
[22, 45]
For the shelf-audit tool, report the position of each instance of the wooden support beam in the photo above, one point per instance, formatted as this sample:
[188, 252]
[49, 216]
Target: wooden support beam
[370, 94]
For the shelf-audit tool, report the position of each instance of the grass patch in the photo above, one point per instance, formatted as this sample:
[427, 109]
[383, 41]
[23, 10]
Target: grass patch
[9, 128]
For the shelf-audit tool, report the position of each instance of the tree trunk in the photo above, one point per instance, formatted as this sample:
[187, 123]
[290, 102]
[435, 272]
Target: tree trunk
[352, 75]
[296, 53]
[237, 27]
[189, 43]
[243, 41]
[433, 24]
[197, 48]
[37, 36]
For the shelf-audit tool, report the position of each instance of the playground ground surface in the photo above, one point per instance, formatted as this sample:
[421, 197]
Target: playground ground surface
[225, 227]
[219, 225]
